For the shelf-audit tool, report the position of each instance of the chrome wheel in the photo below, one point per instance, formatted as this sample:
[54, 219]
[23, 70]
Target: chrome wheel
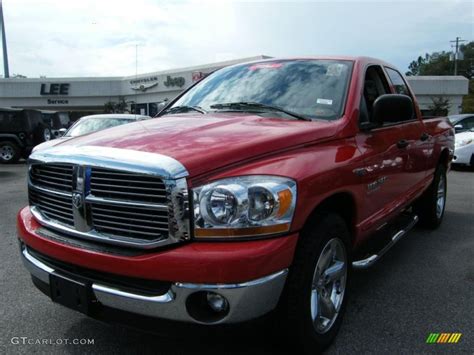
[328, 285]
[6, 152]
[441, 196]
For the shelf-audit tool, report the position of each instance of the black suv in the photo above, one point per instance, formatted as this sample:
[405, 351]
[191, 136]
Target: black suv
[20, 131]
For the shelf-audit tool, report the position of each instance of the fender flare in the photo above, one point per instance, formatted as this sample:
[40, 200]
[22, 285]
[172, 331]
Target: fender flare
[12, 137]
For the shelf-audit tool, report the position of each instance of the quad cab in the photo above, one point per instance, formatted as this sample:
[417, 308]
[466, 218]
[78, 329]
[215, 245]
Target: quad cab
[259, 188]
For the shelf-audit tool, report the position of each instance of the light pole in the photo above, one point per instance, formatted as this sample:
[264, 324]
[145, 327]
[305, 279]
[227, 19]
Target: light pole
[456, 54]
[4, 44]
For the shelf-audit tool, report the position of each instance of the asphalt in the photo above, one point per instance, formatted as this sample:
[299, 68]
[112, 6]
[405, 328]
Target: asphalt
[424, 285]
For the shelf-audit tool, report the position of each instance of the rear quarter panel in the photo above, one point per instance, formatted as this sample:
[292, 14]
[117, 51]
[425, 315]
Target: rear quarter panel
[442, 133]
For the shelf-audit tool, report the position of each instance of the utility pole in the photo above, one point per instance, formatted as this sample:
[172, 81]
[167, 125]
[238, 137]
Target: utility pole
[457, 41]
[4, 44]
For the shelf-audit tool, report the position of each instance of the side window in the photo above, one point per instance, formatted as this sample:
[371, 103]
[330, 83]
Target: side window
[7, 121]
[400, 87]
[374, 86]
[468, 123]
[397, 82]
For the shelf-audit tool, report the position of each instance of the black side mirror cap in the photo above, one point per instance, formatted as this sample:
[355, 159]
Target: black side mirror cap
[392, 108]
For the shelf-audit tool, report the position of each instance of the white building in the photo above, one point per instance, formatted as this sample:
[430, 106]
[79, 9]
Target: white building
[91, 94]
[87, 95]
[427, 88]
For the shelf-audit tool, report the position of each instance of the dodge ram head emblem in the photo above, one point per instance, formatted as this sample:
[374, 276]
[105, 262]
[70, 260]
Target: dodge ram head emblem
[77, 200]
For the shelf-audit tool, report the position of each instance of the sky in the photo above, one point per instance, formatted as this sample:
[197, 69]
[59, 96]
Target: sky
[61, 38]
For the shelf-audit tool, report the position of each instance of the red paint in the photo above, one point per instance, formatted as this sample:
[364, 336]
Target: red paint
[194, 262]
[320, 156]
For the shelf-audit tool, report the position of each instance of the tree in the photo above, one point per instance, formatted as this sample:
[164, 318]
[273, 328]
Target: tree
[468, 101]
[117, 107]
[440, 106]
[439, 63]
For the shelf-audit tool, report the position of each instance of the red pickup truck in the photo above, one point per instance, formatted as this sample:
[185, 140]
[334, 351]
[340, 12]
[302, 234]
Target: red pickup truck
[260, 187]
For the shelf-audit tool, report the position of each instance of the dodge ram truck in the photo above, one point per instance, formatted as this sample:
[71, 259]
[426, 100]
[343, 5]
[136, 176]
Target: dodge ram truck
[256, 191]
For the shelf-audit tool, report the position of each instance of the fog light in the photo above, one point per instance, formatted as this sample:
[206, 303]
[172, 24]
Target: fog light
[217, 302]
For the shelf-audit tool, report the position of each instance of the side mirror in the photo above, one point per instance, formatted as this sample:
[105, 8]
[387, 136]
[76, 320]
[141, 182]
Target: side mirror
[62, 132]
[391, 108]
[458, 127]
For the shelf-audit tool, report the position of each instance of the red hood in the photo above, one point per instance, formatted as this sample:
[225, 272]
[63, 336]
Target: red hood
[205, 142]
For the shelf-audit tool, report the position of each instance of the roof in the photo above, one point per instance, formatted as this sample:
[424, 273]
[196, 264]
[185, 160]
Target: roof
[437, 78]
[118, 116]
[455, 118]
[11, 109]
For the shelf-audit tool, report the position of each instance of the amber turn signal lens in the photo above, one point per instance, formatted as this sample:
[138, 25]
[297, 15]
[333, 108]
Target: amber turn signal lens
[285, 198]
[240, 232]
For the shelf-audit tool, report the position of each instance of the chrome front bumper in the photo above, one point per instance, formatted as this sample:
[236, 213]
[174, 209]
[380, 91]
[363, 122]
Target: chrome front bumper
[246, 300]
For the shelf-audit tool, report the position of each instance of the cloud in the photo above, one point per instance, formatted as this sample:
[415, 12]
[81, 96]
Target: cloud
[98, 38]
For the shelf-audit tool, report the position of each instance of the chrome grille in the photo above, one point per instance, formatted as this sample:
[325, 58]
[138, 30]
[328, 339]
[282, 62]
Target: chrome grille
[133, 222]
[110, 205]
[120, 185]
[54, 206]
[52, 176]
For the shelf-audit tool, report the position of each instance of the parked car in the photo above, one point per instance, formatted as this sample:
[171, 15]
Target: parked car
[20, 131]
[464, 148]
[59, 122]
[462, 123]
[92, 123]
[260, 187]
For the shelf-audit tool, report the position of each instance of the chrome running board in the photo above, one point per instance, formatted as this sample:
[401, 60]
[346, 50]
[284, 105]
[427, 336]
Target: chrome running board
[372, 259]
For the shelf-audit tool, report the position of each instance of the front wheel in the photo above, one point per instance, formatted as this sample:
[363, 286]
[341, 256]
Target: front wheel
[431, 205]
[316, 291]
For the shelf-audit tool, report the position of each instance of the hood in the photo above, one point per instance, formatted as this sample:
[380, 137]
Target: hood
[206, 142]
[50, 143]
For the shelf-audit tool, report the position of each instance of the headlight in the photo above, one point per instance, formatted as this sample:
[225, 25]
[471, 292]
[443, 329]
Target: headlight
[463, 143]
[244, 206]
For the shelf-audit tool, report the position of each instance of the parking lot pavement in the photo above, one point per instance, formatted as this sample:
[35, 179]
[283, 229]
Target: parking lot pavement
[425, 284]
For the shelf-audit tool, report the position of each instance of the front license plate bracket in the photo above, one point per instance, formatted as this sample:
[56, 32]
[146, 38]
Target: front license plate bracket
[71, 293]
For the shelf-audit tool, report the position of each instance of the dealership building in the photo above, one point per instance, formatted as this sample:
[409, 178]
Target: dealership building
[148, 91]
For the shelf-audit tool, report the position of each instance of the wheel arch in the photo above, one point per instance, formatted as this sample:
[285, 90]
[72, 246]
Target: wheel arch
[11, 138]
[340, 203]
[444, 157]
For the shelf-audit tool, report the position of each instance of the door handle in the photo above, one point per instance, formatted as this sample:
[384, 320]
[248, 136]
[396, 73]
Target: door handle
[403, 143]
[425, 136]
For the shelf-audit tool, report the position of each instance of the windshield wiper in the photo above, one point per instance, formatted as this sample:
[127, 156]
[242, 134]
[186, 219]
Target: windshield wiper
[184, 108]
[257, 105]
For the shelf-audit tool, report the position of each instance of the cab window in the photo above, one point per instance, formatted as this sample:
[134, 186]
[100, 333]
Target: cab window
[375, 85]
[397, 82]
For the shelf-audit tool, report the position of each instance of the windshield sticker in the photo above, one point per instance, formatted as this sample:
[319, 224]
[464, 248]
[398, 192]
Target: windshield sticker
[324, 101]
[265, 66]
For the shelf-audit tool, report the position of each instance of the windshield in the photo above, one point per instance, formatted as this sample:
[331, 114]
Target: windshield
[64, 118]
[89, 125]
[311, 88]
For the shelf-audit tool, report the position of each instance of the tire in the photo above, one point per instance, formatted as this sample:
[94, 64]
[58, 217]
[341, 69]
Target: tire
[303, 319]
[9, 152]
[47, 134]
[431, 205]
[42, 133]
